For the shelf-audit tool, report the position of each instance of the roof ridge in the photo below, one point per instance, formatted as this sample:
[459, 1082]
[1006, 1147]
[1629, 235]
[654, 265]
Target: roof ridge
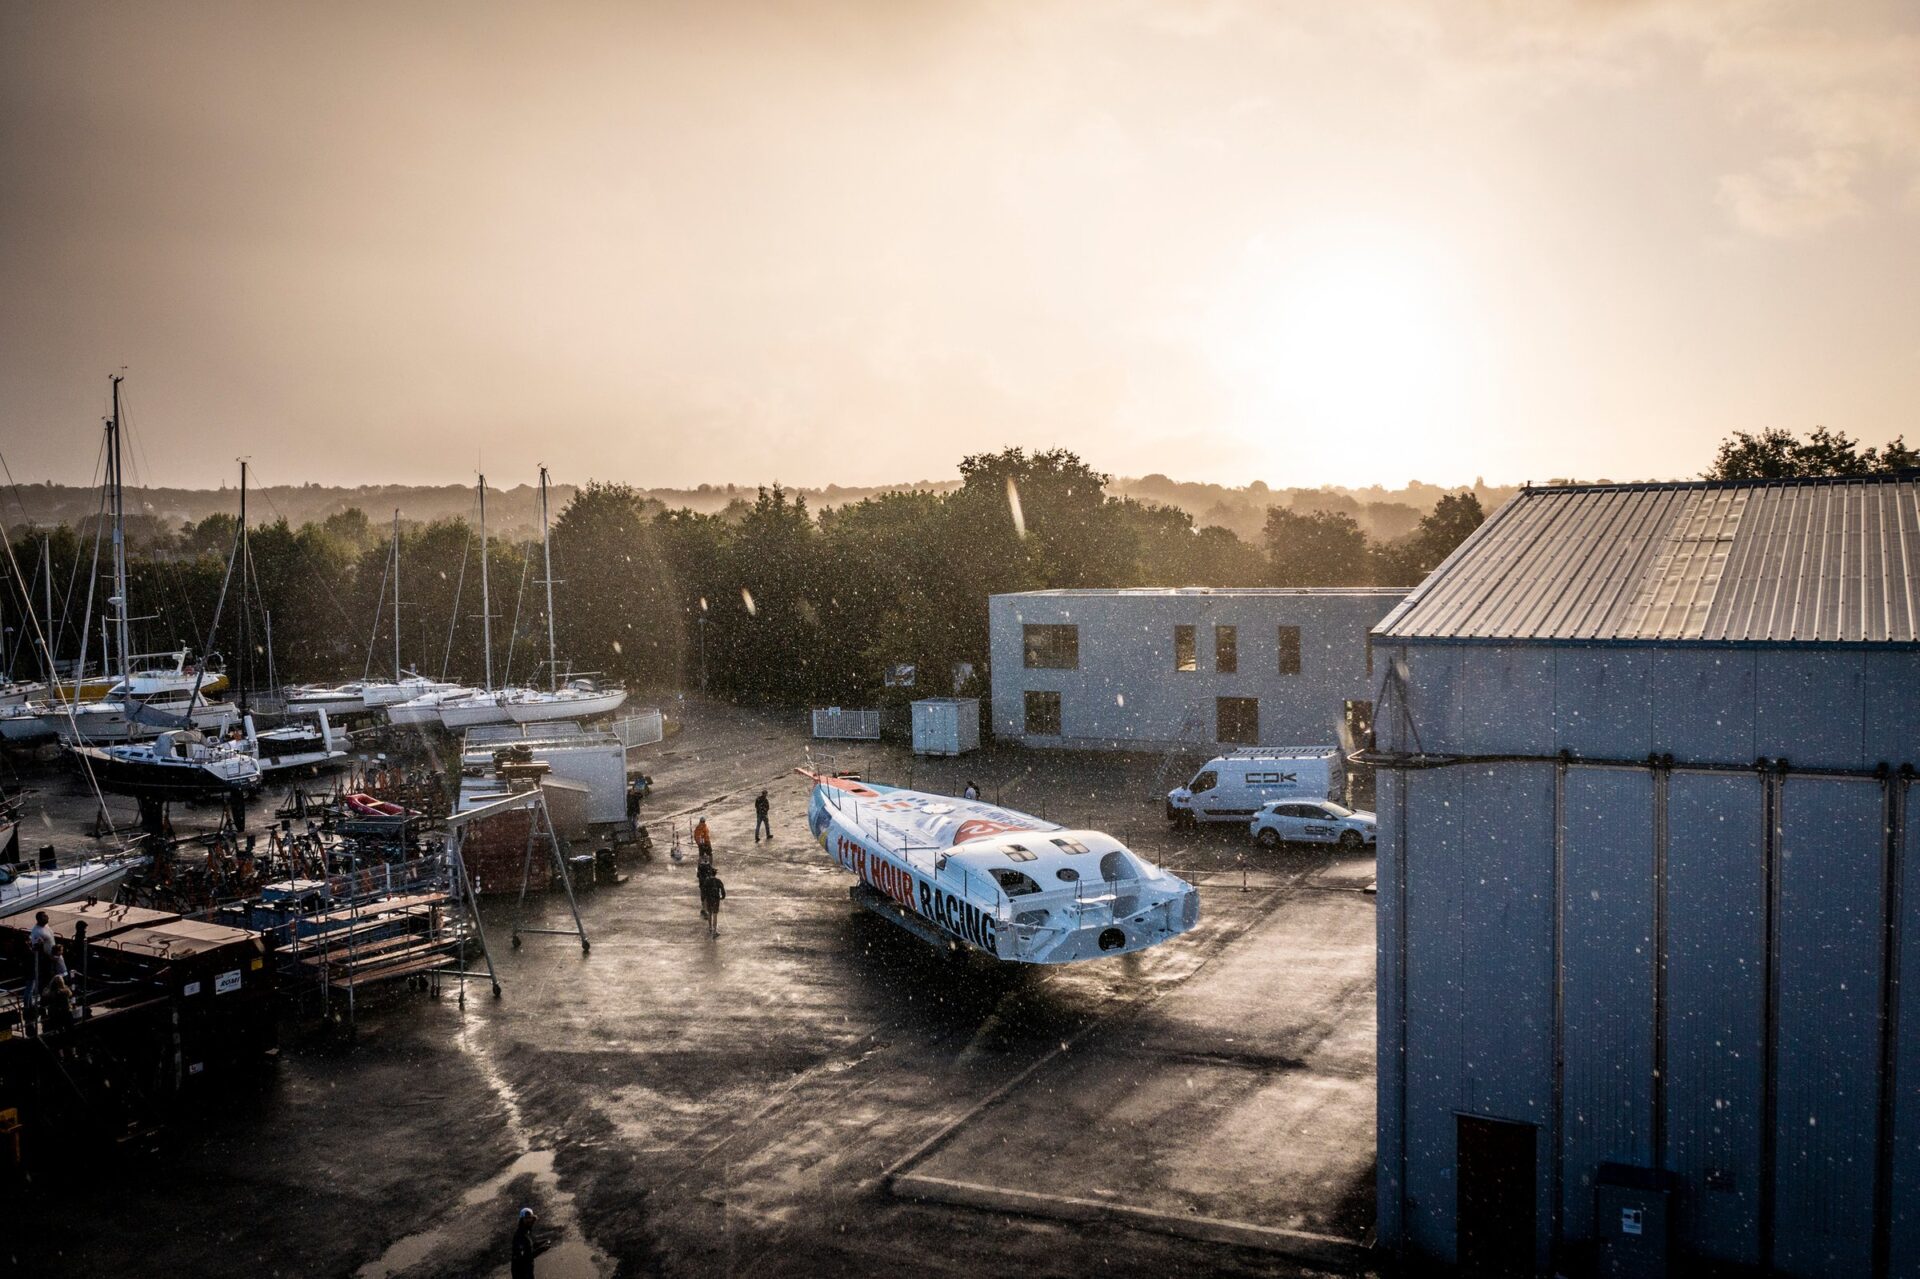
[1796, 481]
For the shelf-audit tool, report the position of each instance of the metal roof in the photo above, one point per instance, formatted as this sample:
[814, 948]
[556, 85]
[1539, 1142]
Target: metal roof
[1140, 592]
[1829, 561]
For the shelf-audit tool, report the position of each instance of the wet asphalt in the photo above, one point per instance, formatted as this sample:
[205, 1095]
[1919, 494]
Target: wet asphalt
[671, 1103]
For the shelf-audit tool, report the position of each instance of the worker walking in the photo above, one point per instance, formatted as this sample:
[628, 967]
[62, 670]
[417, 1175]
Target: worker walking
[703, 840]
[522, 1263]
[761, 807]
[712, 893]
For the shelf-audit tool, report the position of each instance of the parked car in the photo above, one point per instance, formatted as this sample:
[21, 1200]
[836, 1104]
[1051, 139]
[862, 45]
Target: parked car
[1321, 821]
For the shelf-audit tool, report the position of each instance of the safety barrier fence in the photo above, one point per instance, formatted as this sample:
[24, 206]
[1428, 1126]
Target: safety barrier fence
[846, 725]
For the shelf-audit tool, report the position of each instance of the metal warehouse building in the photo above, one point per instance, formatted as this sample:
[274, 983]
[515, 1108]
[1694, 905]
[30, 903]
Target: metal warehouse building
[1194, 666]
[1649, 882]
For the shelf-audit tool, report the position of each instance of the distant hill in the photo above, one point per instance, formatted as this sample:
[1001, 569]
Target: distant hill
[1383, 513]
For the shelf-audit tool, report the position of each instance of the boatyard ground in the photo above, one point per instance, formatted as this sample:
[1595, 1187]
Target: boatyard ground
[813, 1092]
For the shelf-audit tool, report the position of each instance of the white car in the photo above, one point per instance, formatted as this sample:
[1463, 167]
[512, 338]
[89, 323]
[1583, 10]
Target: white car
[1320, 821]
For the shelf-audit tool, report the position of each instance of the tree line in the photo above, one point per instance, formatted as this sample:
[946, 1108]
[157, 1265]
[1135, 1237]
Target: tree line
[762, 601]
[765, 601]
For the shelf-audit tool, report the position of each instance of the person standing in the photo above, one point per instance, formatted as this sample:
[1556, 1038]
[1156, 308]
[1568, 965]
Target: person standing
[971, 792]
[712, 893]
[40, 953]
[761, 807]
[522, 1263]
[703, 840]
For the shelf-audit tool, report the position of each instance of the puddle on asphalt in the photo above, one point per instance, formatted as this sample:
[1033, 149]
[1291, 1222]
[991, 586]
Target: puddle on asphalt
[567, 1256]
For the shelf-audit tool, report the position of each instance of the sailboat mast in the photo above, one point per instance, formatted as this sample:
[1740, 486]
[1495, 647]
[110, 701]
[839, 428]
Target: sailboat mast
[546, 558]
[396, 595]
[486, 599]
[115, 469]
[246, 617]
[46, 649]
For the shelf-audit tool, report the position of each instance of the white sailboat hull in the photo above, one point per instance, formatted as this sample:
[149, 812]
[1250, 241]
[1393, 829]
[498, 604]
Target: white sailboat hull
[383, 694]
[425, 709]
[105, 723]
[486, 709]
[566, 704]
[332, 701]
[38, 888]
[24, 730]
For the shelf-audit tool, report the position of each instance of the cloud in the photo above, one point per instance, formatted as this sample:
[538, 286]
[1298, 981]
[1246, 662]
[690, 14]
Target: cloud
[1841, 109]
[1792, 195]
[1821, 105]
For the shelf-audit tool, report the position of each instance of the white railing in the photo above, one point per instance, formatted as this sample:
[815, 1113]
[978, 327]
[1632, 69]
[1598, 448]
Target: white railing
[847, 725]
[643, 728]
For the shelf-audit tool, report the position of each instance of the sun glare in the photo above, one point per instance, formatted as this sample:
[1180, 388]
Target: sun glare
[1350, 353]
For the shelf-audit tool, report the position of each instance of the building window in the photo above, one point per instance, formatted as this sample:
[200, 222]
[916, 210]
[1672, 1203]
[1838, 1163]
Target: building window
[1237, 720]
[1043, 714]
[1053, 648]
[1289, 650]
[1185, 657]
[1226, 649]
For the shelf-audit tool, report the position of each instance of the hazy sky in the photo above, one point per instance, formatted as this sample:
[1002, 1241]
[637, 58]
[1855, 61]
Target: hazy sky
[1305, 243]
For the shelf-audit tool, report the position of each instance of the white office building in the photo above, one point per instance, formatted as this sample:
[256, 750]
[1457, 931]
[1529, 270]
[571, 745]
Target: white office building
[1196, 666]
[1649, 885]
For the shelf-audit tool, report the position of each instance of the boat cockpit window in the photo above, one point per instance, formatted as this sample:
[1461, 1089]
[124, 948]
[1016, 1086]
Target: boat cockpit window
[1067, 844]
[1016, 883]
[1019, 854]
[1203, 782]
[1117, 865]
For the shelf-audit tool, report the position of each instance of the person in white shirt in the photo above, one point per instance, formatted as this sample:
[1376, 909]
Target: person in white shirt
[40, 948]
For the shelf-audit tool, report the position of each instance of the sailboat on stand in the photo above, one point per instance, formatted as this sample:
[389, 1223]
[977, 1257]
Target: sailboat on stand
[406, 684]
[579, 698]
[179, 760]
[488, 706]
[308, 742]
[148, 699]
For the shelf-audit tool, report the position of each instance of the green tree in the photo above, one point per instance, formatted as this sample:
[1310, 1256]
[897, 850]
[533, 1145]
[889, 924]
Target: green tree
[1776, 454]
[1405, 561]
[1319, 548]
[620, 611]
[765, 620]
[1171, 551]
[1044, 519]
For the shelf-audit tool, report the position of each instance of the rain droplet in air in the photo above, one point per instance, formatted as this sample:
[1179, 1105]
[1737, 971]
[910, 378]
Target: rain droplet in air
[1013, 504]
[746, 597]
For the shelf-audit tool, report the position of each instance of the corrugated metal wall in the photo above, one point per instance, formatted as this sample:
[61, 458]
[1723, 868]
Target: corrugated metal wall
[1716, 1008]
[1722, 940]
[1606, 979]
[1389, 1004]
[1904, 1140]
[1480, 851]
[1826, 1055]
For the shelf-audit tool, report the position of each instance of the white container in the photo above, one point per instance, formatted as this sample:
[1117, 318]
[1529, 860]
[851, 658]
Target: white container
[946, 725]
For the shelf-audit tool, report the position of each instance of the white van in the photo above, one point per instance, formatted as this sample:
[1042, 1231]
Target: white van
[1232, 788]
